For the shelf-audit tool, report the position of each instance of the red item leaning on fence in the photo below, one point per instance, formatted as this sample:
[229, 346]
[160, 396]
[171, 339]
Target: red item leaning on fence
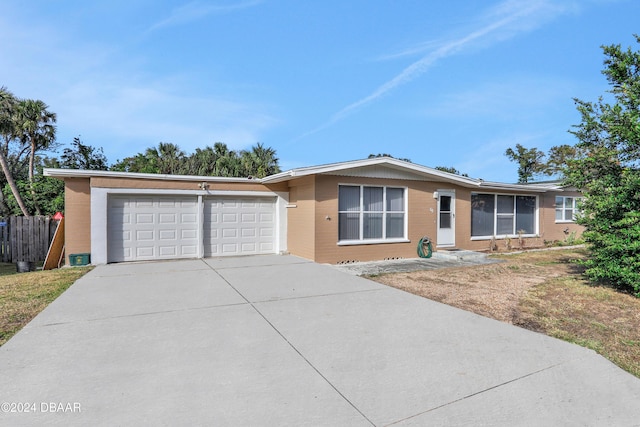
[58, 216]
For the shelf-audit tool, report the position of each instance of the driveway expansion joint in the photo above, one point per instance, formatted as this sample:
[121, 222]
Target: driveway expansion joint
[293, 347]
[317, 296]
[469, 396]
[149, 313]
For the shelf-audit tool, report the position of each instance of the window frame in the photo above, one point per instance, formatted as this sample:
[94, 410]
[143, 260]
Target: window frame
[513, 215]
[574, 209]
[385, 212]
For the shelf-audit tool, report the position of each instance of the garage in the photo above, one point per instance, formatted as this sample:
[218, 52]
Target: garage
[239, 226]
[152, 227]
[147, 227]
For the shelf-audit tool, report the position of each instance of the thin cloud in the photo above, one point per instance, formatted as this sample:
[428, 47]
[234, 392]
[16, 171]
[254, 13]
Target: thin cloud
[195, 10]
[505, 21]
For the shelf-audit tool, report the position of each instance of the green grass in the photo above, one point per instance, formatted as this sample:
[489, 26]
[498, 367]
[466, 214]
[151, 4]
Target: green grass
[24, 295]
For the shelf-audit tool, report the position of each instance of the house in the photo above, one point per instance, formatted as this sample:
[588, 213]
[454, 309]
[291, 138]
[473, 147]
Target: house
[361, 210]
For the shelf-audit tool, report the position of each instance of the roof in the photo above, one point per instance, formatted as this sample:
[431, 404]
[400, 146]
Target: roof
[377, 167]
[83, 173]
[415, 170]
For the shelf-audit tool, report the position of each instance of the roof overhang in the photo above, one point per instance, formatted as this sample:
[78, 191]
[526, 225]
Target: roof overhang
[82, 173]
[417, 172]
[377, 167]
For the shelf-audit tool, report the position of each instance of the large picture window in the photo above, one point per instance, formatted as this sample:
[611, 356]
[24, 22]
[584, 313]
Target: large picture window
[502, 215]
[371, 213]
[566, 208]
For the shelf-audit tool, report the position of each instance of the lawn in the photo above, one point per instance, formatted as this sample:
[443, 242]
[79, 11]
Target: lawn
[24, 295]
[542, 291]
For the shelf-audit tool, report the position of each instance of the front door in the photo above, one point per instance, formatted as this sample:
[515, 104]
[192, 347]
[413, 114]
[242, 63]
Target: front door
[446, 218]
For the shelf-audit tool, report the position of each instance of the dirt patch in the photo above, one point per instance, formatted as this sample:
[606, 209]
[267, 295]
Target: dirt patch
[492, 290]
[541, 291]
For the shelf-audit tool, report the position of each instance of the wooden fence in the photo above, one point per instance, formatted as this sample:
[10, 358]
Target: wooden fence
[26, 238]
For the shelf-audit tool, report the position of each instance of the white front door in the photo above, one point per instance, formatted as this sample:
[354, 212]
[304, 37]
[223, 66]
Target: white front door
[446, 218]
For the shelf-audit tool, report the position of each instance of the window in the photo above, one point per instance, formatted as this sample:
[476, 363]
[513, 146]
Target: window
[567, 208]
[370, 213]
[500, 215]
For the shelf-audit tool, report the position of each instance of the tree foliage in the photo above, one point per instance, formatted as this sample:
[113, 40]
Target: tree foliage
[9, 132]
[219, 160]
[83, 156]
[607, 171]
[530, 162]
[450, 169]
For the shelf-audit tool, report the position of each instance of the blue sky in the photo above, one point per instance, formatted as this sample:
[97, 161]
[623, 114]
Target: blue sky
[450, 83]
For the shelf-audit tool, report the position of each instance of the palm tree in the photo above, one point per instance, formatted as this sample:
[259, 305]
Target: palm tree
[169, 158]
[227, 161]
[8, 103]
[36, 127]
[202, 162]
[262, 160]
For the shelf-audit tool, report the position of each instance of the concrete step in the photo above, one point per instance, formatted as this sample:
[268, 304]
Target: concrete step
[459, 255]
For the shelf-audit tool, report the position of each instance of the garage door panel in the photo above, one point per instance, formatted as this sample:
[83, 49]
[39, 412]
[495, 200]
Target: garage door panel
[167, 251]
[229, 248]
[146, 228]
[143, 202]
[144, 218]
[188, 218]
[144, 235]
[240, 226]
[248, 232]
[229, 233]
[167, 218]
[230, 218]
[248, 218]
[189, 234]
[267, 247]
[266, 232]
[167, 234]
[145, 252]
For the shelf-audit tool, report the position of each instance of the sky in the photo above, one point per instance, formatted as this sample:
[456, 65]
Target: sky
[442, 83]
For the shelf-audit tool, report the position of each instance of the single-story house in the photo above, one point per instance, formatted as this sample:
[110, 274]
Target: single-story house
[361, 210]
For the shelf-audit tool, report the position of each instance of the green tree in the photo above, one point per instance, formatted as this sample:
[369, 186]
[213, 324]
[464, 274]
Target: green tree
[83, 156]
[202, 162]
[166, 158]
[260, 161]
[218, 160]
[558, 158]
[8, 105]
[530, 162]
[36, 129]
[49, 192]
[227, 161]
[607, 171]
[450, 169]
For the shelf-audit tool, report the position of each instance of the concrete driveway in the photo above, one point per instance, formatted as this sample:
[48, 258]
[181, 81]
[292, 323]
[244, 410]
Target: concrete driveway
[277, 340]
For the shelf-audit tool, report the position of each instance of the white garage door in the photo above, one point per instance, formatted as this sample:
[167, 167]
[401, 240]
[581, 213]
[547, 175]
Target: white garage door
[152, 227]
[239, 226]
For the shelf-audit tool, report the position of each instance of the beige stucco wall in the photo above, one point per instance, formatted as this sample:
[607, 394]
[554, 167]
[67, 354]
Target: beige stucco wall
[77, 212]
[301, 236]
[183, 185]
[553, 231]
[421, 217]
[422, 208]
